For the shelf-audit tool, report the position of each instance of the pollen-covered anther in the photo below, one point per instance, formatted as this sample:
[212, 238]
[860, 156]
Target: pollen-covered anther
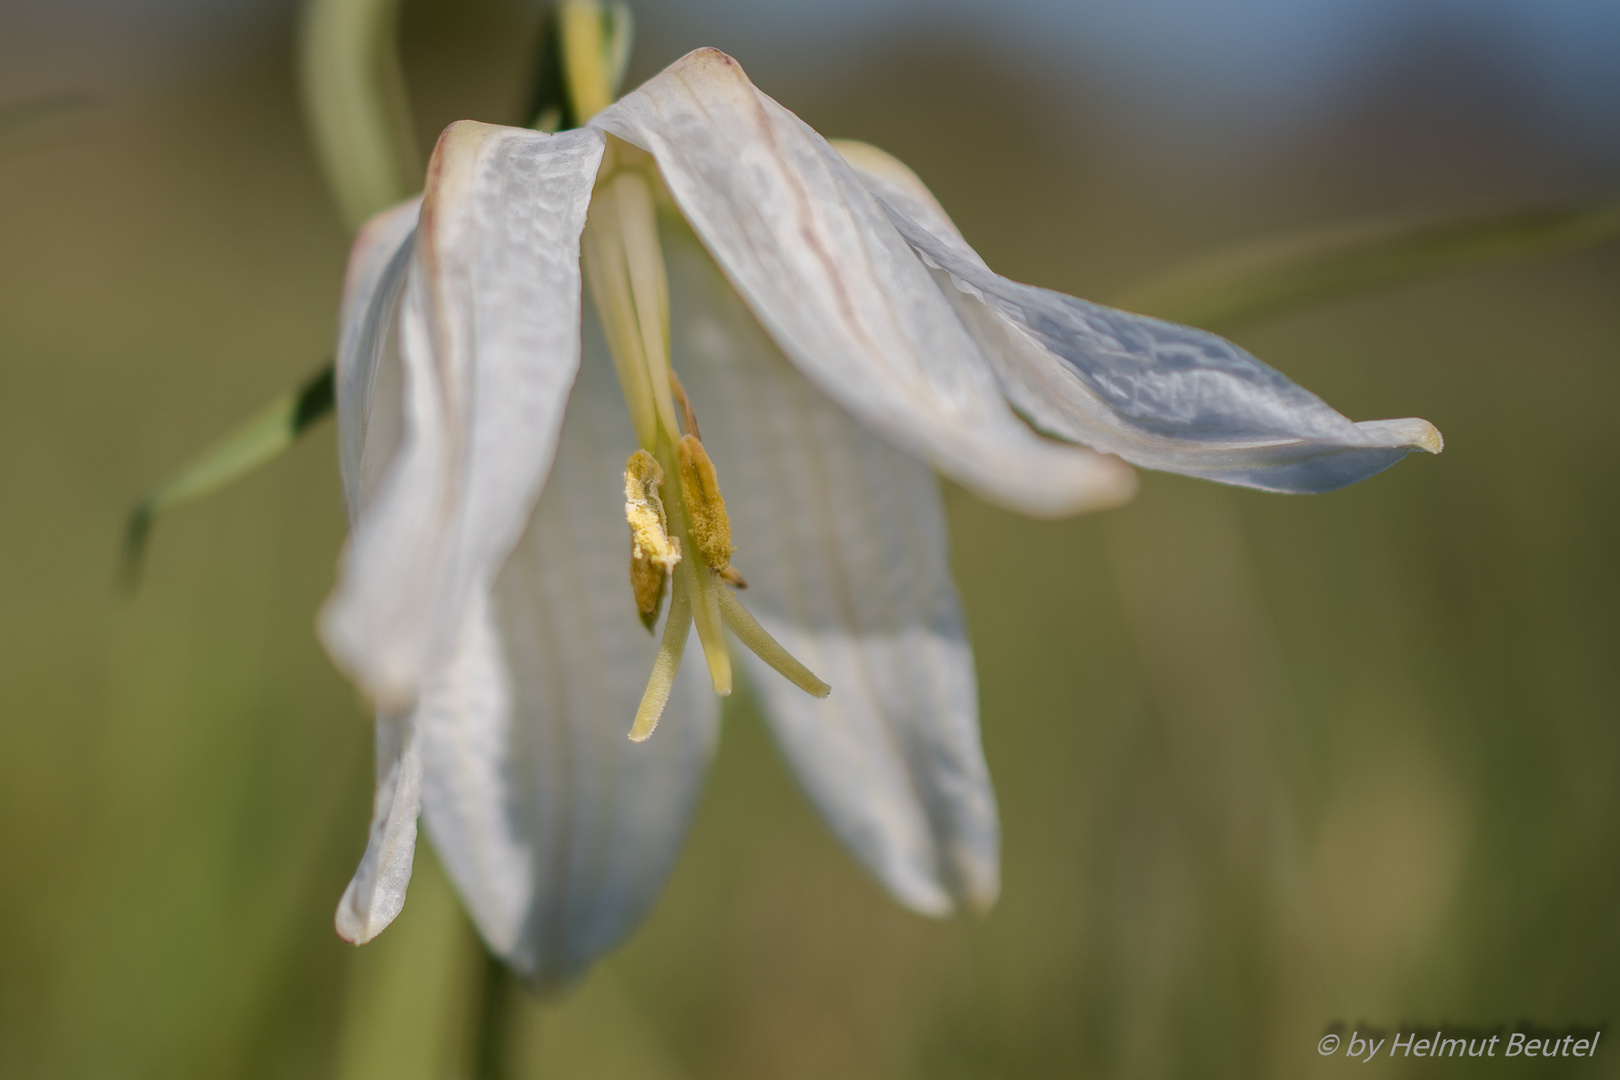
[647, 583]
[653, 552]
[710, 528]
[644, 510]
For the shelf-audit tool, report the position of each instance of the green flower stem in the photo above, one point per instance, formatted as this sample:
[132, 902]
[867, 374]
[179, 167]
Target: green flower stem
[1272, 277]
[414, 1007]
[355, 104]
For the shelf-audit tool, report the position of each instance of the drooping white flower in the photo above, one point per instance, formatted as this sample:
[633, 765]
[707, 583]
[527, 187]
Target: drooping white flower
[840, 343]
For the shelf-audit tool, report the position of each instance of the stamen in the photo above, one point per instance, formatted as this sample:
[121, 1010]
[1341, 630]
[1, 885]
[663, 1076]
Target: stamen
[662, 680]
[688, 417]
[644, 510]
[750, 633]
[585, 58]
[710, 630]
[605, 264]
[710, 528]
[733, 577]
[646, 583]
[637, 221]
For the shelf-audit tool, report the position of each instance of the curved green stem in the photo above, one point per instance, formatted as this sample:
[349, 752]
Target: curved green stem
[355, 104]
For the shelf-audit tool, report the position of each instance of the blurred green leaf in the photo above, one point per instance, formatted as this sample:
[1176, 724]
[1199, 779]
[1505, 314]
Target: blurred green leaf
[256, 442]
[416, 995]
[1269, 277]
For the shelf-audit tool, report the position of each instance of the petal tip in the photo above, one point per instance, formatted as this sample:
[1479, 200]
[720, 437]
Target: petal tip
[708, 54]
[351, 925]
[389, 687]
[1092, 482]
[1429, 440]
[935, 903]
[1411, 433]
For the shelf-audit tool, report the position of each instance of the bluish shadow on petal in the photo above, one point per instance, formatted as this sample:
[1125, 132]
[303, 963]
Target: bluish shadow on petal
[366, 370]
[1158, 394]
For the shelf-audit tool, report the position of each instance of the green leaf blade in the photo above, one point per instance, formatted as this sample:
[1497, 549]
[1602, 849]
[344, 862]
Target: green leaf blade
[1271, 277]
[256, 442]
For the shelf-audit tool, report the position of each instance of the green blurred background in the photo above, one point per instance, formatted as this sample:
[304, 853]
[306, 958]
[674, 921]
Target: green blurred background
[1266, 765]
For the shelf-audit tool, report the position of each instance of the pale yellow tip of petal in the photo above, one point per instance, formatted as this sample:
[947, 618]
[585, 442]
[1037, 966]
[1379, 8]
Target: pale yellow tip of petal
[1410, 433]
[1429, 439]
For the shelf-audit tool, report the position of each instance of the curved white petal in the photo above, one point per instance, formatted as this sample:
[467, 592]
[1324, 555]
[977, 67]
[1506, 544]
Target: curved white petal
[367, 363]
[842, 539]
[367, 349]
[1158, 394]
[558, 831]
[377, 891]
[489, 343]
[840, 291]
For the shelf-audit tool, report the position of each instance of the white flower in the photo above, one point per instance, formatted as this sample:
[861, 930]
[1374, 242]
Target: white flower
[840, 343]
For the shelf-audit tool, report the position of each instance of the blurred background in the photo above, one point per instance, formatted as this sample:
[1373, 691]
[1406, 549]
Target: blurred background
[1267, 765]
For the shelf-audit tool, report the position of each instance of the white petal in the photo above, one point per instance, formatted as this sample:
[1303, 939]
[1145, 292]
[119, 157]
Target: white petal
[558, 831]
[1158, 394]
[368, 350]
[489, 344]
[839, 290]
[377, 892]
[842, 539]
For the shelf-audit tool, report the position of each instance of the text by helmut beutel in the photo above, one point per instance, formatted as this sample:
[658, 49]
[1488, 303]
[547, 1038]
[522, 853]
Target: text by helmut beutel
[1496, 1043]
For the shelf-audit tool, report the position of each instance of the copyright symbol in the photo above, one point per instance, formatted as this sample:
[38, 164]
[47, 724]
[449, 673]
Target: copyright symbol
[1328, 1044]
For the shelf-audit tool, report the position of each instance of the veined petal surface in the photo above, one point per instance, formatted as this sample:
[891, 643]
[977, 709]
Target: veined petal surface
[558, 831]
[842, 539]
[489, 344]
[1158, 394]
[840, 291]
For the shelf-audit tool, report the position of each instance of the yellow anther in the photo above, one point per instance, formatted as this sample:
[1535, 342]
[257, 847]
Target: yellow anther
[646, 582]
[709, 528]
[644, 510]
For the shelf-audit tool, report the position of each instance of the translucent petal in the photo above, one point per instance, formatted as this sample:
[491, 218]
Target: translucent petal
[558, 831]
[1158, 394]
[368, 350]
[827, 274]
[842, 539]
[489, 344]
[377, 892]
